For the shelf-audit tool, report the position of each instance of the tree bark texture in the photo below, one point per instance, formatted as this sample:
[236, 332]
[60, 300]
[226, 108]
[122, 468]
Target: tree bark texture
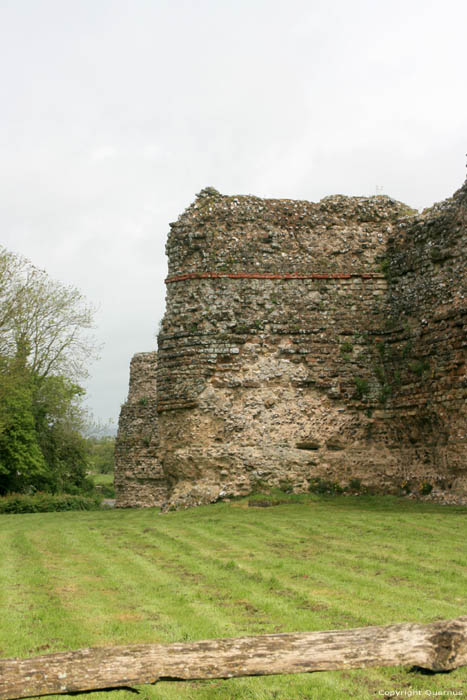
[440, 646]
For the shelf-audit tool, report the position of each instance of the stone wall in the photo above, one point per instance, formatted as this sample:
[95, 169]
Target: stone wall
[139, 478]
[295, 347]
[426, 353]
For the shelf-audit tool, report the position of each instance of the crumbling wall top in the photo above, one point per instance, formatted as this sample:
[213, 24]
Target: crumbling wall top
[220, 233]
[143, 370]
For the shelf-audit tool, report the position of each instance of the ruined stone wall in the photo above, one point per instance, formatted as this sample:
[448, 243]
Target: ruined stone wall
[139, 479]
[270, 307]
[294, 348]
[425, 356]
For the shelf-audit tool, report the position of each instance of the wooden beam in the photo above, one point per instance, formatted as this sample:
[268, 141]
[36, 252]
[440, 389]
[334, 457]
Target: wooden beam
[440, 646]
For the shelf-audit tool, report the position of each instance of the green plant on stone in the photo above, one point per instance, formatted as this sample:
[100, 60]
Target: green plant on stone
[384, 266]
[419, 366]
[362, 387]
[385, 393]
[323, 486]
[407, 349]
[355, 484]
[380, 374]
[381, 348]
[286, 486]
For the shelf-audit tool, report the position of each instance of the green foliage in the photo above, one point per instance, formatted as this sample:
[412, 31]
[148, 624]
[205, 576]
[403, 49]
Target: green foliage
[426, 488]
[384, 266]
[42, 353]
[380, 374]
[346, 350]
[385, 393]
[242, 328]
[101, 454]
[59, 425]
[407, 349]
[381, 348]
[106, 490]
[362, 387]
[43, 321]
[418, 367]
[276, 497]
[406, 487]
[355, 484]
[22, 462]
[46, 503]
[324, 486]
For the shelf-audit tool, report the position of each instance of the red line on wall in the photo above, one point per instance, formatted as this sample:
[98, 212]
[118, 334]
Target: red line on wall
[272, 276]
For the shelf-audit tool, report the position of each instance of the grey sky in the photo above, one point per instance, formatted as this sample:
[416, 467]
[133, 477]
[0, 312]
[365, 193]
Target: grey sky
[115, 113]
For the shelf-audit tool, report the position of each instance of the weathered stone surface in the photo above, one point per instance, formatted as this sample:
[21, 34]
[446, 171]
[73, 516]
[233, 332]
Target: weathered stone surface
[303, 341]
[139, 477]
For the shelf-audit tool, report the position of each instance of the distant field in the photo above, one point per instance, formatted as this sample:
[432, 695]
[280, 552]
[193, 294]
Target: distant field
[103, 479]
[75, 579]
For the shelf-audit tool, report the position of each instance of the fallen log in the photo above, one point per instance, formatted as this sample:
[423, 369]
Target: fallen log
[440, 646]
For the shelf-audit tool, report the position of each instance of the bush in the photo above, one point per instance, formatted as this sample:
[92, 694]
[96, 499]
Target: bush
[106, 490]
[46, 502]
[355, 484]
[323, 486]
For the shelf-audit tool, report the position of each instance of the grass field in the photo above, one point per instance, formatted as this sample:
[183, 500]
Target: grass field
[78, 579]
[102, 479]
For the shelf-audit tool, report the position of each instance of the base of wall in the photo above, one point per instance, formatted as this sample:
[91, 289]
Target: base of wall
[205, 475]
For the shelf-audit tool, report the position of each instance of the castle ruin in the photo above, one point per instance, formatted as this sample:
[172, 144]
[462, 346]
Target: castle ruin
[302, 342]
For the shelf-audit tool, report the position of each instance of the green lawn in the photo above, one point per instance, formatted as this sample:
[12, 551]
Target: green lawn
[78, 579]
[102, 479]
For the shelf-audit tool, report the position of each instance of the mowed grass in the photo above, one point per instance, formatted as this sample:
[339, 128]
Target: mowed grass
[77, 579]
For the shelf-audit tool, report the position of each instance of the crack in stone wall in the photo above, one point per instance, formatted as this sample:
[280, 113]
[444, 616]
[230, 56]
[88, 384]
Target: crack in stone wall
[302, 341]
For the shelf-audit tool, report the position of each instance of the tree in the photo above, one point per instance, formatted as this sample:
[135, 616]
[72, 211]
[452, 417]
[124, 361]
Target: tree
[43, 320]
[101, 457]
[44, 351]
[22, 463]
[60, 422]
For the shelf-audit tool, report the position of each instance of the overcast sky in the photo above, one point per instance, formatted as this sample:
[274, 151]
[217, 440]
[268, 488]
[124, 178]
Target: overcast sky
[115, 113]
